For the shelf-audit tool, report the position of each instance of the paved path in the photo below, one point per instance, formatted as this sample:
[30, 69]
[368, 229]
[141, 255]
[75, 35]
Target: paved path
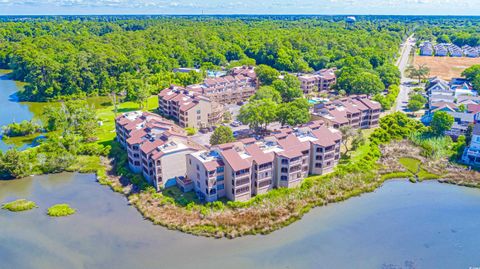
[402, 64]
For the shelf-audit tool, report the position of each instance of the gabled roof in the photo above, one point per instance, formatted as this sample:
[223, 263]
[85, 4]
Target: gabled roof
[258, 155]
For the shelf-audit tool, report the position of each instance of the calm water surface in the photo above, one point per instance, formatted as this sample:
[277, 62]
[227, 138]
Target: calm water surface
[10, 109]
[401, 225]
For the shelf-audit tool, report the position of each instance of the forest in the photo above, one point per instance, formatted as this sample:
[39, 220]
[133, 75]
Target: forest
[60, 57]
[457, 30]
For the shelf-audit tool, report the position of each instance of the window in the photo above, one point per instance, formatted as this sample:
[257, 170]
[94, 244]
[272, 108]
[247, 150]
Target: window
[284, 178]
[318, 165]
[137, 163]
[284, 161]
[198, 167]
[221, 187]
[190, 161]
[220, 169]
[220, 178]
[284, 170]
[198, 112]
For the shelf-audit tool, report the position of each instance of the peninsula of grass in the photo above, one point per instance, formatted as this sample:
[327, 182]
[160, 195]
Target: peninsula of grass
[60, 210]
[19, 205]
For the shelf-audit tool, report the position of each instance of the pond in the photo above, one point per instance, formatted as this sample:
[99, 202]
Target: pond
[11, 110]
[401, 225]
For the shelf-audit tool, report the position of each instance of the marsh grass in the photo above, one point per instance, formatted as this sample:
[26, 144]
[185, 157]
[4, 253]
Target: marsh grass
[19, 205]
[60, 210]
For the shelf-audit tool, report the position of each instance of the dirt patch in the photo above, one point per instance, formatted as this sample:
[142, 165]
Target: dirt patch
[446, 67]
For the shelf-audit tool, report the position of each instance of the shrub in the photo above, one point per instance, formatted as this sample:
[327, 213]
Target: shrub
[19, 205]
[190, 131]
[60, 210]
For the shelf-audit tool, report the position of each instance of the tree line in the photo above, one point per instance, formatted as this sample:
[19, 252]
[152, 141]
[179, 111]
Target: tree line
[58, 57]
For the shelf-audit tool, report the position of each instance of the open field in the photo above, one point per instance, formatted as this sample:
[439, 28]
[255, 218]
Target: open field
[446, 67]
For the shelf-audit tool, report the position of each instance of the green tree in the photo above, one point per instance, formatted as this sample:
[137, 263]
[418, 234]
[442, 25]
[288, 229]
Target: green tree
[258, 113]
[289, 88]
[266, 74]
[294, 113]
[267, 92]
[389, 74]
[15, 164]
[416, 102]
[222, 135]
[441, 122]
[76, 117]
[420, 72]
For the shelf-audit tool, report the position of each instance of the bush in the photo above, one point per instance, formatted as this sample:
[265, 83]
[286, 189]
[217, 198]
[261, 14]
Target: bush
[190, 131]
[60, 210]
[21, 129]
[19, 205]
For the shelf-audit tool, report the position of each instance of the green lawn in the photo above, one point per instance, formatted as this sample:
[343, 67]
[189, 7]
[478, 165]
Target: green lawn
[411, 164]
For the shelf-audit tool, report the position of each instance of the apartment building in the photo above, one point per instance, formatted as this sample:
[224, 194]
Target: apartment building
[355, 111]
[236, 87]
[426, 49]
[322, 80]
[189, 108]
[155, 147]
[243, 169]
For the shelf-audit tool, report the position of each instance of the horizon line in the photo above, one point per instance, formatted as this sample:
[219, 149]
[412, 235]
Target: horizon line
[238, 14]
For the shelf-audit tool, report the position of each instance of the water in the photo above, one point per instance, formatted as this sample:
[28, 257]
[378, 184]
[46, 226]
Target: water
[10, 109]
[401, 225]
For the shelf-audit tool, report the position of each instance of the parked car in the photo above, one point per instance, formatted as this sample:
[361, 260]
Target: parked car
[235, 124]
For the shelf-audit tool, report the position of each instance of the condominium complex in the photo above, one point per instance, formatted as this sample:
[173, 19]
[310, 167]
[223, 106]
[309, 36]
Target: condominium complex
[249, 167]
[355, 111]
[322, 80]
[155, 147]
[189, 108]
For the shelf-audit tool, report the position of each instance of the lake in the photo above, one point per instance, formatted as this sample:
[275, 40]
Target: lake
[401, 225]
[11, 110]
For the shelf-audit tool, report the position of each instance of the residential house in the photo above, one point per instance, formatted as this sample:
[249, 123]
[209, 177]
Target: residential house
[471, 155]
[440, 50]
[426, 49]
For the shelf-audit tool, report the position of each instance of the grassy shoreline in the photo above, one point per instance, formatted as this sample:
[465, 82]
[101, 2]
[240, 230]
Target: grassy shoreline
[261, 215]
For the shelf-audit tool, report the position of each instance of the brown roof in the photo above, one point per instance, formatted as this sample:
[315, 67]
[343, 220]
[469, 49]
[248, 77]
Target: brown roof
[326, 137]
[149, 146]
[234, 160]
[136, 137]
[258, 155]
[212, 165]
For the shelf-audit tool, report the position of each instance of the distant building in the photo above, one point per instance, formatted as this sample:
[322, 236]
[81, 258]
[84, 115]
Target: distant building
[440, 50]
[355, 111]
[321, 80]
[185, 70]
[426, 49]
[189, 108]
[471, 155]
[351, 19]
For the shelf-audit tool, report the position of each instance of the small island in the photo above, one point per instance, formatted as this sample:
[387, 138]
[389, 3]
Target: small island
[19, 205]
[60, 210]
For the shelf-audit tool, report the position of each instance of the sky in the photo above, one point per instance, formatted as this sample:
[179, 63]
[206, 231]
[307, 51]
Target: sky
[387, 7]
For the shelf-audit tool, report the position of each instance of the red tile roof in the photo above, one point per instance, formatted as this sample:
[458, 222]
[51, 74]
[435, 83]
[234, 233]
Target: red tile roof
[258, 155]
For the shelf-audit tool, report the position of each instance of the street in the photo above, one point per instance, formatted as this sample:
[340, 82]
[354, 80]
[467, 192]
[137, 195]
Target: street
[405, 86]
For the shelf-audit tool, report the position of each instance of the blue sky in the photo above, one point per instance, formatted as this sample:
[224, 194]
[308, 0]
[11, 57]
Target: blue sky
[428, 7]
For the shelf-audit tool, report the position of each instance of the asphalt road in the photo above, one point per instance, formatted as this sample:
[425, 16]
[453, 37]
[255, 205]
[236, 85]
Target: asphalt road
[402, 63]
